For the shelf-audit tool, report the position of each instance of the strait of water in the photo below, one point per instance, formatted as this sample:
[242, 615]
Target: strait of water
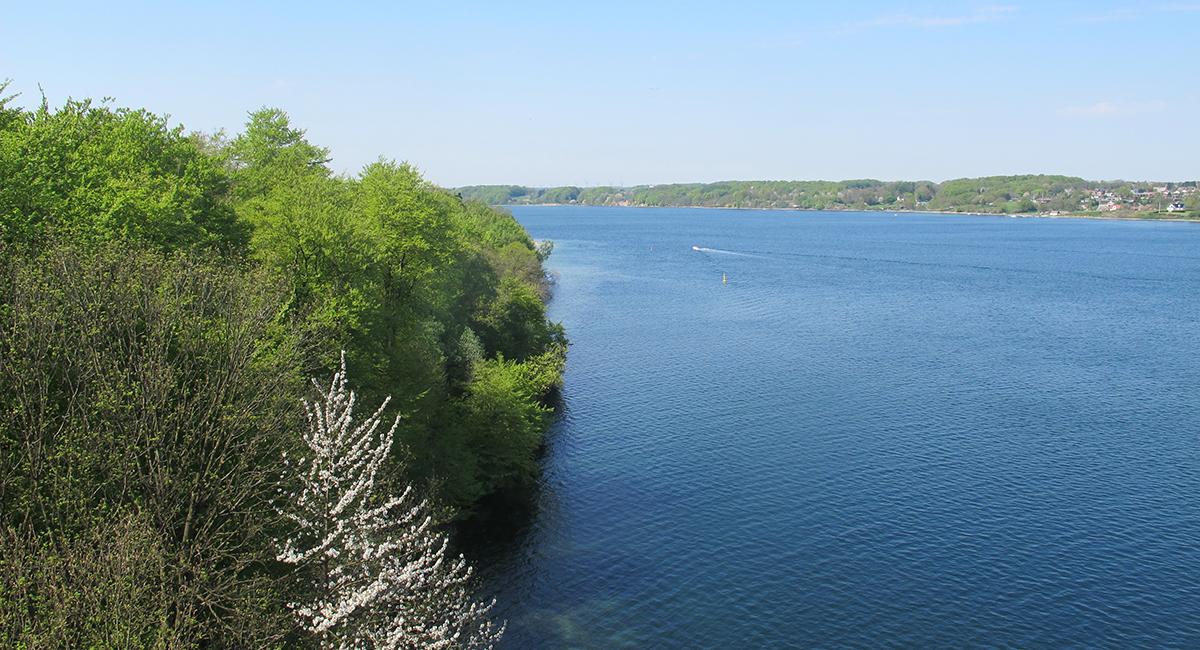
[913, 430]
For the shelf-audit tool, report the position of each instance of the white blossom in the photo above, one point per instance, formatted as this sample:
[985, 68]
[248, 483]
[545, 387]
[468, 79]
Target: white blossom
[383, 577]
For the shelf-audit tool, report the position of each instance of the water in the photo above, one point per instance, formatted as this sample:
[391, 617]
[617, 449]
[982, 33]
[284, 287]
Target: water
[911, 430]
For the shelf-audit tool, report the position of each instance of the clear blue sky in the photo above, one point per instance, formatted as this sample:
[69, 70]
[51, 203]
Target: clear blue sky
[626, 93]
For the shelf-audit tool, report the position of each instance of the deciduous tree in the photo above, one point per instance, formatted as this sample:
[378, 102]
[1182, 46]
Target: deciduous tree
[380, 574]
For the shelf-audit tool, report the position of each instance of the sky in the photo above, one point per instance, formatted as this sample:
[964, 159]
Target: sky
[625, 93]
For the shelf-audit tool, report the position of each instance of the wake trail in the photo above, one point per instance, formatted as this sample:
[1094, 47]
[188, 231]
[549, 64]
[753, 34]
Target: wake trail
[721, 251]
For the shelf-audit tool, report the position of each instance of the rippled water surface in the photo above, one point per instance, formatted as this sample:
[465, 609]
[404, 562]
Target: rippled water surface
[909, 430]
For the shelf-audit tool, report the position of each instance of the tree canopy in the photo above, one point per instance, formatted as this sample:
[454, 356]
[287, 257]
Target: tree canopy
[163, 293]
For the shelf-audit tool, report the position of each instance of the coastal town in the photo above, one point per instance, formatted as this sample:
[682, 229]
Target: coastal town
[1170, 198]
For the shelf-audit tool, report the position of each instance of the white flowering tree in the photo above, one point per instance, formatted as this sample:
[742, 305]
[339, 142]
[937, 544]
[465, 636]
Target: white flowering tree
[382, 577]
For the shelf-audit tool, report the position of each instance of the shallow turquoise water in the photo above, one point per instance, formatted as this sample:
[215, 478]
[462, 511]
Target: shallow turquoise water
[911, 430]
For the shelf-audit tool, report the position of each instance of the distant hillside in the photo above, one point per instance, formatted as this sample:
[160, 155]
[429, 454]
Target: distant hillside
[994, 194]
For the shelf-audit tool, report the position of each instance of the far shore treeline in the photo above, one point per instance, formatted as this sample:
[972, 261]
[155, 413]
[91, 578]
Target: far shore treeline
[165, 297]
[1027, 194]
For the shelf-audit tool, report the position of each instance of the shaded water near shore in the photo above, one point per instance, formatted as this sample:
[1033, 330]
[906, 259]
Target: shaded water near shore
[884, 430]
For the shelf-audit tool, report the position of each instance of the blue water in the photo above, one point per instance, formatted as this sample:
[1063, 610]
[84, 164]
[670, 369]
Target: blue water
[911, 430]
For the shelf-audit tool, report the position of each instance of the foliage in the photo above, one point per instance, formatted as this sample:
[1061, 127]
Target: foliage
[100, 589]
[9, 115]
[268, 149]
[510, 325]
[92, 173]
[380, 574]
[162, 294]
[158, 388]
[415, 284]
[506, 431]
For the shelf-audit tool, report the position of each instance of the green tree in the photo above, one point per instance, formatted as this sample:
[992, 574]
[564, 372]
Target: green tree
[514, 324]
[269, 151]
[94, 173]
[154, 390]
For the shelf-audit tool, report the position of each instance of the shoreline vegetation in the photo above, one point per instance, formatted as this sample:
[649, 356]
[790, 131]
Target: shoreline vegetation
[1027, 196]
[164, 298]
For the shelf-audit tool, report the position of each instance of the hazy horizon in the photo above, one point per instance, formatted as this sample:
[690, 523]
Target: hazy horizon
[543, 96]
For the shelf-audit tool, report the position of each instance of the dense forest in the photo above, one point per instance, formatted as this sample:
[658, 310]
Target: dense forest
[993, 194]
[164, 298]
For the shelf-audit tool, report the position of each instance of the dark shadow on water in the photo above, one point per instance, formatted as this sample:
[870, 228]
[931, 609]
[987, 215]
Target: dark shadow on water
[499, 526]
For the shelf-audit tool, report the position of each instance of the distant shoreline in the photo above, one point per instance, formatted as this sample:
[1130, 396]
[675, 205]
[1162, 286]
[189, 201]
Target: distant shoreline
[1032, 195]
[1033, 215]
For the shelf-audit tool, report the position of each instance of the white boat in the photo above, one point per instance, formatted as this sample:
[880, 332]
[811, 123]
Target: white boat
[695, 248]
